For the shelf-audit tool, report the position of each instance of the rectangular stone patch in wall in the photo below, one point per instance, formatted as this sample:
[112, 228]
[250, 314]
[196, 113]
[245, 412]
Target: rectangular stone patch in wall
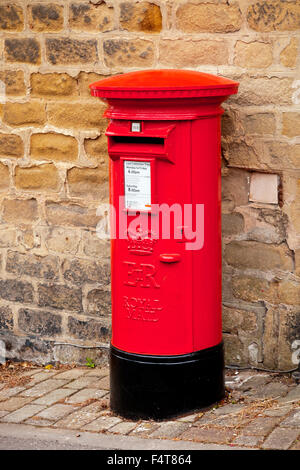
[264, 188]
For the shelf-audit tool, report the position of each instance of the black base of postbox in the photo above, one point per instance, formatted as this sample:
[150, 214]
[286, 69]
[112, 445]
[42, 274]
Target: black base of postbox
[162, 387]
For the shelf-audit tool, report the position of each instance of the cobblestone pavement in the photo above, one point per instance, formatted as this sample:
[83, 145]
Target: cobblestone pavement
[261, 410]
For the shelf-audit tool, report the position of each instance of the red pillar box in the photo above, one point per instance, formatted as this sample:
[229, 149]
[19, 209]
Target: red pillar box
[165, 192]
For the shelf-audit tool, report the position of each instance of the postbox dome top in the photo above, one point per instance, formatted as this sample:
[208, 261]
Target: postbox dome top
[163, 83]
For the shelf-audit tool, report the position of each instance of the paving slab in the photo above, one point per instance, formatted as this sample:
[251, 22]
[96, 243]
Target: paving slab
[254, 382]
[191, 418]
[270, 390]
[279, 411]
[6, 393]
[72, 374]
[260, 426]
[42, 375]
[170, 430]
[103, 383]
[103, 372]
[248, 441]
[54, 396]
[221, 420]
[86, 394]
[281, 439]
[144, 429]
[293, 420]
[56, 412]
[80, 418]
[82, 382]
[124, 427]
[31, 372]
[208, 435]
[14, 403]
[37, 421]
[296, 444]
[23, 413]
[43, 387]
[229, 409]
[292, 396]
[102, 423]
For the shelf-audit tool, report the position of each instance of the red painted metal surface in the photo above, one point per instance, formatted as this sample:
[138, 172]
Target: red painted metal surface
[166, 300]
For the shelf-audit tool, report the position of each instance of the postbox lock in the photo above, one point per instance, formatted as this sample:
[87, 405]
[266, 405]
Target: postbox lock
[136, 126]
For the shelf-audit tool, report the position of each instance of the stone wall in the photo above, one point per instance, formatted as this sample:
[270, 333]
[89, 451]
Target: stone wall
[54, 286]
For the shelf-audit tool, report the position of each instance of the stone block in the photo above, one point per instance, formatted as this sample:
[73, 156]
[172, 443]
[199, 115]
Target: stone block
[88, 330]
[184, 53]
[21, 264]
[120, 53]
[70, 214]
[60, 297]
[45, 17]
[254, 255]
[16, 291]
[53, 146]
[62, 240]
[66, 115]
[272, 15]
[291, 124]
[27, 50]
[20, 211]
[43, 177]
[11, 17]
[88, 182]
[11, 146]
[208, 17]
[6, 318]
[31, 113]
[143, 16]
[254, 54]
[288, 56]
[14, 82]
[52, 85]
[80, 271]
[91, 17]
[67, 51]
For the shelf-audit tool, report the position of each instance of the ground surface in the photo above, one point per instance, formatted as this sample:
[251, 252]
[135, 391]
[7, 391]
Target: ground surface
[68, 408]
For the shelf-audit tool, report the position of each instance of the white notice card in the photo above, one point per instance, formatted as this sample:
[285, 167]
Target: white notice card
[137, 177]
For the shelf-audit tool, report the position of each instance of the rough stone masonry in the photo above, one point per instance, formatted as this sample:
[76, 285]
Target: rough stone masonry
[54, 271]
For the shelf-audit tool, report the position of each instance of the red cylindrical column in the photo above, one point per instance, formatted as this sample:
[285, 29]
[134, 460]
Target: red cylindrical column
[164, 148]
